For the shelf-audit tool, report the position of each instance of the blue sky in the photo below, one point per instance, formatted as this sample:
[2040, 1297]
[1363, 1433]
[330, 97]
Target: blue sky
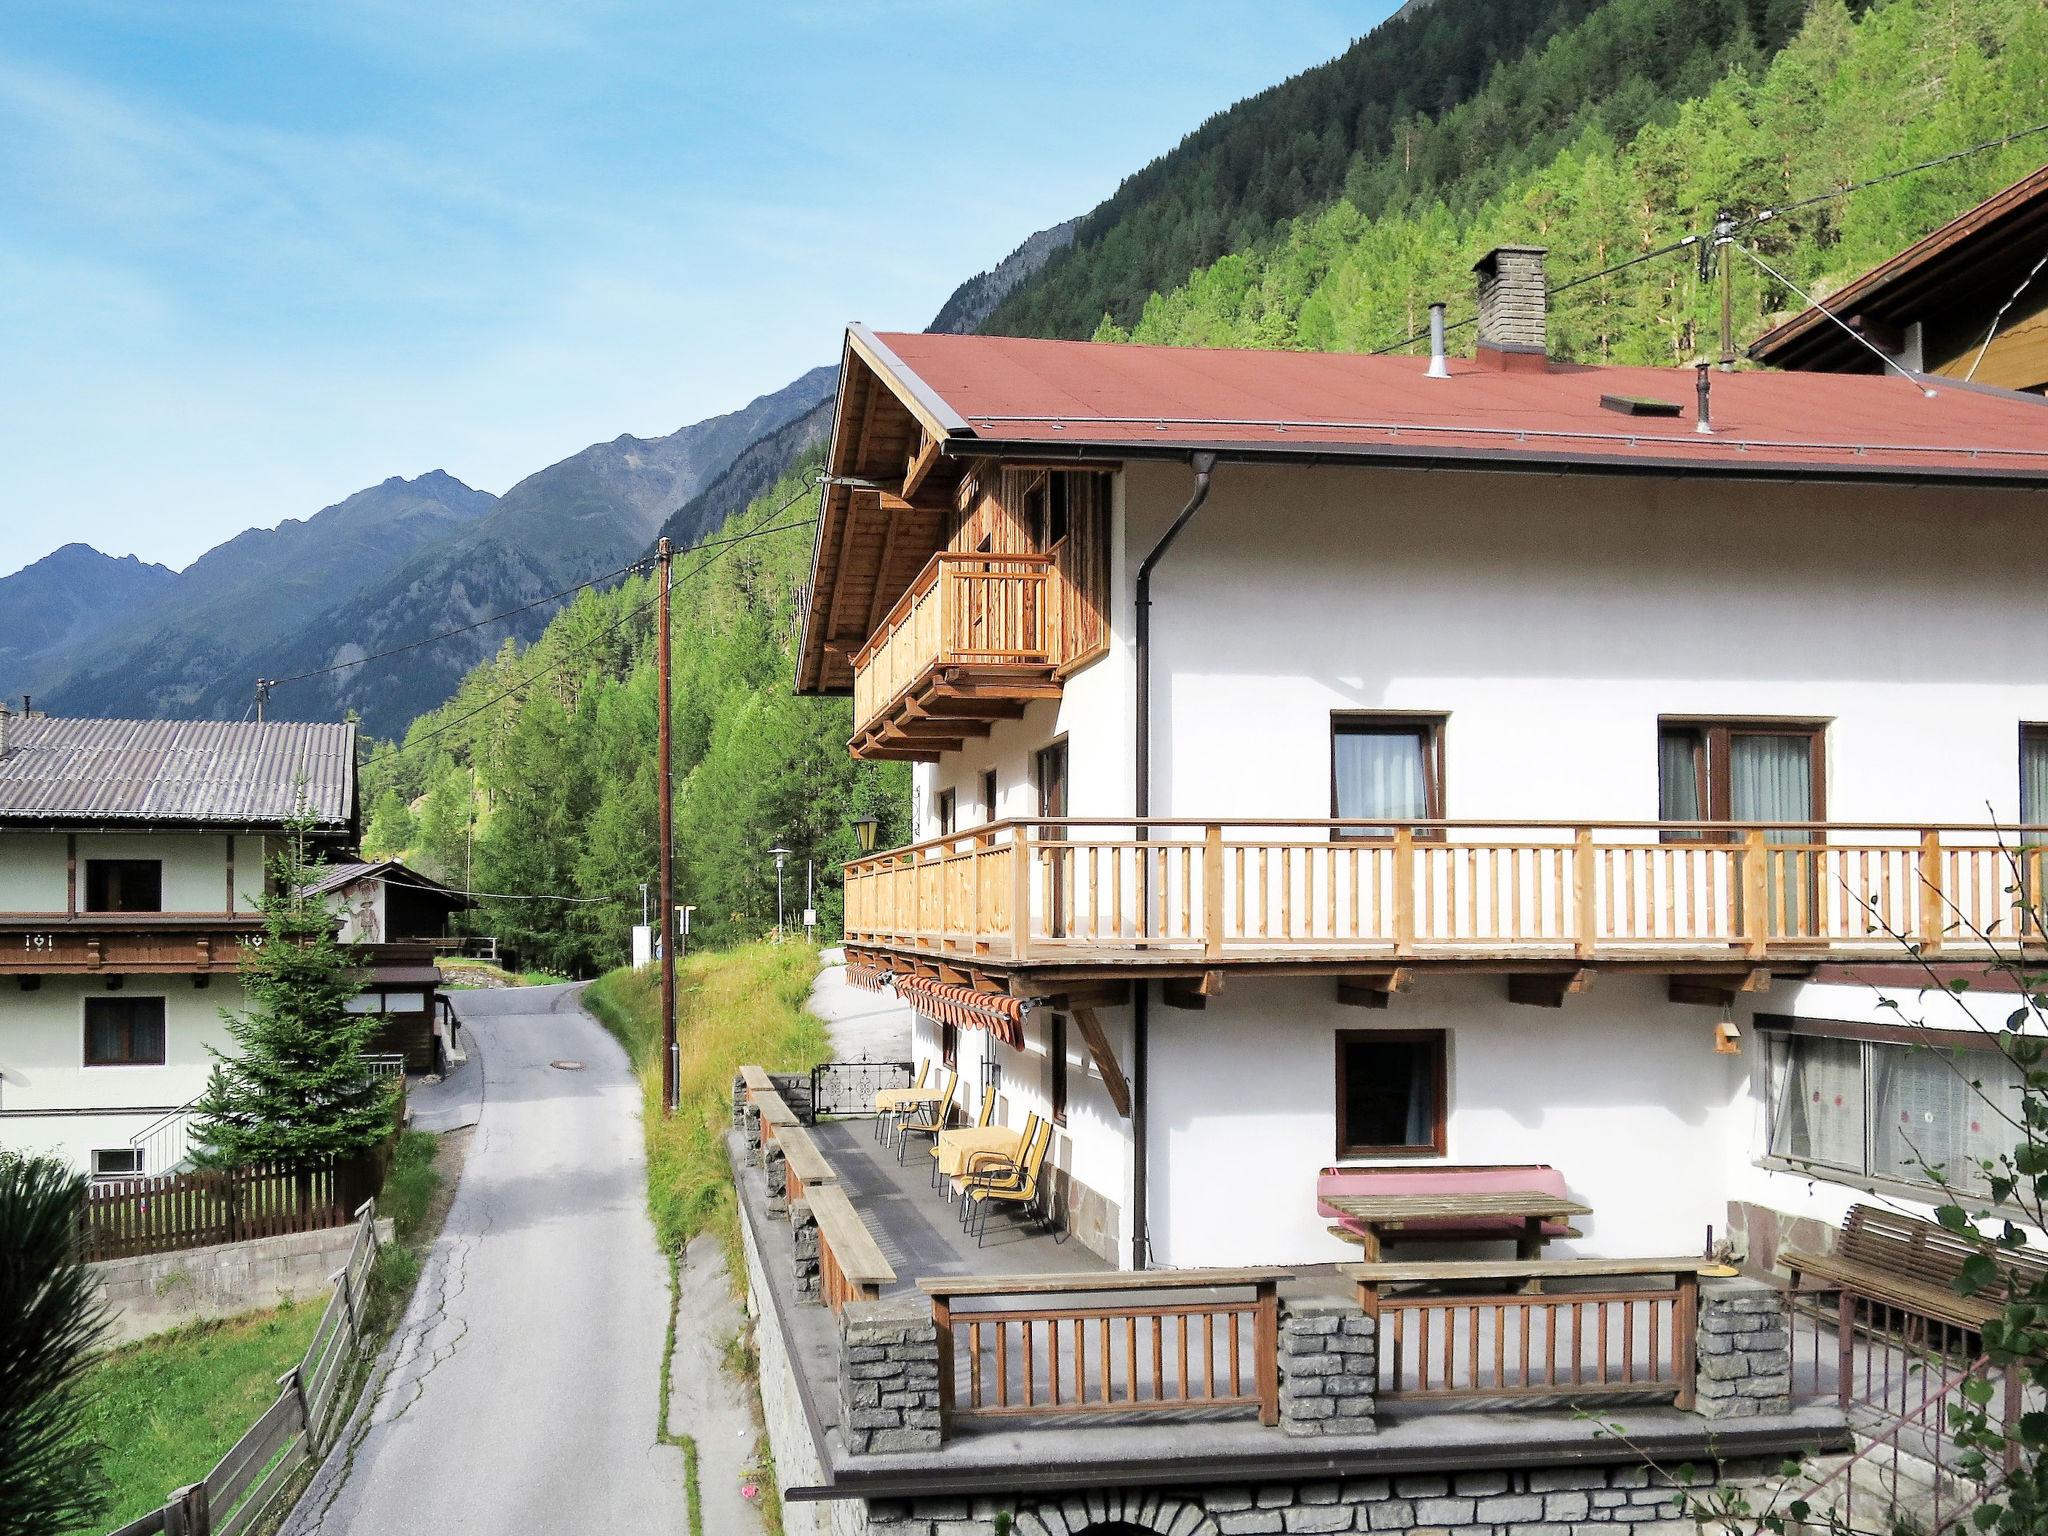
[257, 256]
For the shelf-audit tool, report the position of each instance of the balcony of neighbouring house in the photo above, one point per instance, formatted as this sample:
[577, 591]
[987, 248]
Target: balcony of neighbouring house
[926, 1354]
[116, 943]
[971, 642]
[1542, 899]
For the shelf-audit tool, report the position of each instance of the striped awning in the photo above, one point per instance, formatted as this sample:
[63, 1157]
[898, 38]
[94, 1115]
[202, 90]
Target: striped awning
[965, 1008]
[867, 977]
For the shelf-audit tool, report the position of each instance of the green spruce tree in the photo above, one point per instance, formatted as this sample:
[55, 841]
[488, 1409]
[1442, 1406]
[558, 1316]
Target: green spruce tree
[296, 1091]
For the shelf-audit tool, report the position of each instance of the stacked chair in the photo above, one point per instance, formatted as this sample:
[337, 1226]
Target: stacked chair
[1014, 1184]
[931, 1126]
[988, 1118]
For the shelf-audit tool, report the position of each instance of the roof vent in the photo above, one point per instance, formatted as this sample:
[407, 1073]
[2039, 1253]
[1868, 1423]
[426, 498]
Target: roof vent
[1513, 297]
[1638, 405]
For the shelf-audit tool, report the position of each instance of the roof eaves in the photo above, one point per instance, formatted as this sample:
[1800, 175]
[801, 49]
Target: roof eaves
[926, 403]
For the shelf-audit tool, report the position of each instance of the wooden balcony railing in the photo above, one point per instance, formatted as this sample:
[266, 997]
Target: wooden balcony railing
[966, 611]
[116, 942]
[1064, 891]
[1197, 1341]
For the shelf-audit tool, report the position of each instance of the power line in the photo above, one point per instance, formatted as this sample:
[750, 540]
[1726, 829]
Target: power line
[1749, 223]
[718, 548]
[1850, 330]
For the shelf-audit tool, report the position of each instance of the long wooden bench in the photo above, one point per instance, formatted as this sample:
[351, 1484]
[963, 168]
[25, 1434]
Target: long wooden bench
[776, 1116]
[850, 1265]
[1914, 1265]
[756, 1081]
[803, 1165]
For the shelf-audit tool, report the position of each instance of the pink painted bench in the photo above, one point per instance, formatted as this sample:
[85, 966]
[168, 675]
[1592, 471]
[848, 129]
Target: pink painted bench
[1448, 1181]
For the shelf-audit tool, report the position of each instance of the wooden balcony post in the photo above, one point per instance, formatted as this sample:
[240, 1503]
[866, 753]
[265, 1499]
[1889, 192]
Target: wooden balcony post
[1933, 911]
[942, 1324]
[1756, 893]
[1583, 887]
[1685, 1317]
[1404, 891]
[1265, 1353]
[1212, 892]
[1020, 892]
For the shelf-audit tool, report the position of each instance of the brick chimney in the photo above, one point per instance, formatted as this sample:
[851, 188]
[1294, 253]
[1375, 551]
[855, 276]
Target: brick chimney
[1512, 333]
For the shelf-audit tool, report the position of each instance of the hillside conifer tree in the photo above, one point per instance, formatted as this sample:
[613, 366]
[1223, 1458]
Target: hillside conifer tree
[51, 1324]
[296, 1091]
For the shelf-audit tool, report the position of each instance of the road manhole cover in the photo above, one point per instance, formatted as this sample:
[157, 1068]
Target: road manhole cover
[566, 1066]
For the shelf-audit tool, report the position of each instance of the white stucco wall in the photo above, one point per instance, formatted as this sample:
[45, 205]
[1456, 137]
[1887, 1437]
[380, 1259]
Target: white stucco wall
[44, 1083]
[32, 877]
[195, 879]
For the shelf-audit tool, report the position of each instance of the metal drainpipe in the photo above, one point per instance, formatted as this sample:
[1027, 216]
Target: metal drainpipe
[1204, 465]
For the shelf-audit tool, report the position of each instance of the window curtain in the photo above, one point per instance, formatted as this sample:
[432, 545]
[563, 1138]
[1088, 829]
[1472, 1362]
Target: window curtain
[1678, 779]
[1770, 778]
[1817, 1101]
[2034, 779]
[1935, 1116]
[1381, 775]
[1421, 1097]
[109, 1030]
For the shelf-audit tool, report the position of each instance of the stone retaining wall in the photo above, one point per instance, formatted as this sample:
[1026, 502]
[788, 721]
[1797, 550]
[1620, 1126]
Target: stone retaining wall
[1745, 1351]
[157, 1291]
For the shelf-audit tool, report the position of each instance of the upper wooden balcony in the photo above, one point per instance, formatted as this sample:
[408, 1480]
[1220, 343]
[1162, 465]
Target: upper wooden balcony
[1091, 897]
[126, 943]
[969, 643]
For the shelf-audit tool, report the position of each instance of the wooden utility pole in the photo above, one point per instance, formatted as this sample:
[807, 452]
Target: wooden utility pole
[665, 795]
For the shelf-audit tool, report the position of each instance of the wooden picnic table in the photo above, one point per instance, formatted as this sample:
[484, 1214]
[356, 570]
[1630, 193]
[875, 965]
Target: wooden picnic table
[958, 1149]
[1379, 1216]
[891, 1101]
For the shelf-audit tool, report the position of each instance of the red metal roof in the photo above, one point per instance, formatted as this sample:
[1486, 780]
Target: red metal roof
[1133, 399]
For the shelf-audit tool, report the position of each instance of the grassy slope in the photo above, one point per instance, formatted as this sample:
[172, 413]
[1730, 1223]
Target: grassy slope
[733, 1007]
[167, 1408]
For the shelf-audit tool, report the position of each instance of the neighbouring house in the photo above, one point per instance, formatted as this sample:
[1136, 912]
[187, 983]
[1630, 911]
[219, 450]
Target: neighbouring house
[133, 856]
[1968, 302]
[398, 920]
[1343, 772]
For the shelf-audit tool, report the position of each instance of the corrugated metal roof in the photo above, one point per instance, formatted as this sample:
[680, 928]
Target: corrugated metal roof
[334, 877]
[1086, 395]
[210, 772]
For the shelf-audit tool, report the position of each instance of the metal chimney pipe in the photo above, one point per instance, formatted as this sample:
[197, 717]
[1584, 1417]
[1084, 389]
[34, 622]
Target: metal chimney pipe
[1704, 388]
[1438, 369]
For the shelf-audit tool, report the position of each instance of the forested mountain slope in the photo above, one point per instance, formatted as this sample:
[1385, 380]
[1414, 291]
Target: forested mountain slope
[1847, 99]
[1449, 102]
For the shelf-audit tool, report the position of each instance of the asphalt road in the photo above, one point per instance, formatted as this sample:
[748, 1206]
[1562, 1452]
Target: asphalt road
[522, 1390]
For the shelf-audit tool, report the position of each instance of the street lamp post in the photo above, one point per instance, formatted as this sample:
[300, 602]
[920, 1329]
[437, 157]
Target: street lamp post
[781, 856]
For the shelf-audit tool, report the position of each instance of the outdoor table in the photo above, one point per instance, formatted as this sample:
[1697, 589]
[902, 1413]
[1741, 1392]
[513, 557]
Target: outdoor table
[1380, 1216]
[957, 1149]
[894, 1100]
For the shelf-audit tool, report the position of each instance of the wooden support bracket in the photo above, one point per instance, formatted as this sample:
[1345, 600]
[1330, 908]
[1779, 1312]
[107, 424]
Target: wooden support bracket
[1113, 1082]
[1180, 992]
[1547, 989]
[1373, 989]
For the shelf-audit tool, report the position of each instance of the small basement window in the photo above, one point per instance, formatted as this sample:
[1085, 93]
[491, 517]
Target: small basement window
[1391, 1093]
[116, 1162]
[124, 1031]
[124, 885]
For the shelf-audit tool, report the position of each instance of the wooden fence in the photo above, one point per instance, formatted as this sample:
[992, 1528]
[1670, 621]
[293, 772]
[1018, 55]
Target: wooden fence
[249, 1483]
[1146, 1342]
[127, 1217]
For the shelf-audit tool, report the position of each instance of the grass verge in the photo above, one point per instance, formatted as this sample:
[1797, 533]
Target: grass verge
[733, 1007]
[167, 1408]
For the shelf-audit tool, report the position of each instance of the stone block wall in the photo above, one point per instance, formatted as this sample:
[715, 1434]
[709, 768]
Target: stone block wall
[156, 1291]
[803, 1234]
[1745, 1350]
[774, 1164]
[1328, 1368]
[1627, 1499]
[739, 1102]
[889, 1376]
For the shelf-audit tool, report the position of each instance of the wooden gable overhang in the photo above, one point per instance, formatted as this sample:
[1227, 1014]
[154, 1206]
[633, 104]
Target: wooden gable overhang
[887, 508]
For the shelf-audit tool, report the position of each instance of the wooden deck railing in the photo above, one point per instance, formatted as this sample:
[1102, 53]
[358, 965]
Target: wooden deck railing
[963, 610]
[1492, 1338]
[1041, 890]
[1147, 1342]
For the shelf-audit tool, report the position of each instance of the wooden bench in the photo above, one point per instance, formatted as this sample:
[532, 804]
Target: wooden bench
[776, 1116]
[803, 1165]
[1914, 1265]
[1445, 1180]
[1527, 1274]
[850, 1265]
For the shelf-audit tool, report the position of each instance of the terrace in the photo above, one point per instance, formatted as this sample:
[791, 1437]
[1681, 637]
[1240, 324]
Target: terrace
[924, 1362]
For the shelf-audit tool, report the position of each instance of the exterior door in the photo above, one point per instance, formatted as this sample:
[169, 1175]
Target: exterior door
[1051, 769]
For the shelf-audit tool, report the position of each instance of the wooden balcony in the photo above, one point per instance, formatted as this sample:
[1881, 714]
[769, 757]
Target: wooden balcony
[967, 645]
[125, 943]
[1093, 897]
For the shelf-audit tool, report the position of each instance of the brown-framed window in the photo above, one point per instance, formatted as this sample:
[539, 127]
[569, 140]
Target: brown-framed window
[1049, 509]
[124, 1031]
[1056, 1057]
[124, 885]
[946, 806]
[1386, 768]
[2033, 778]
[1392, 1092]
[949, 1046]
[1742, 771]
[988, 795]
